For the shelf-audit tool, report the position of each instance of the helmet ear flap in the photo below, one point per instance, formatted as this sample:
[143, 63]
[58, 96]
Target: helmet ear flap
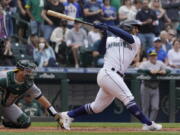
[127, 28]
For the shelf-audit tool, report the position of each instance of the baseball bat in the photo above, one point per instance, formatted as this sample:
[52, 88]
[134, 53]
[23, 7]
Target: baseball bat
[65, 17]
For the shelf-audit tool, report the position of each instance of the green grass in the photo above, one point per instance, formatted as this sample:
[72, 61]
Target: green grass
[105, 124]
[83, 124]
[72, 133]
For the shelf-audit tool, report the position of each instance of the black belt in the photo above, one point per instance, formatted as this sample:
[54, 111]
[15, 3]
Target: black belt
[122, 75]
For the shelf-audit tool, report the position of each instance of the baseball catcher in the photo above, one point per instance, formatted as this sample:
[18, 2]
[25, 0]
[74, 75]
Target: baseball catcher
[13, 85]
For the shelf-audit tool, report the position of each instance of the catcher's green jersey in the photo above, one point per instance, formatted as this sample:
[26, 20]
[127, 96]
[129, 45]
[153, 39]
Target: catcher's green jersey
[12, 90]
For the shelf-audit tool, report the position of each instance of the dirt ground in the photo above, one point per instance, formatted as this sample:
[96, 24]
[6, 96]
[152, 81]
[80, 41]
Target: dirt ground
[82, 129]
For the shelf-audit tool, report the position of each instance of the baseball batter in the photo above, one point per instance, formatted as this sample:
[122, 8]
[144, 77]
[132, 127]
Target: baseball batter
[119, 51]
[13, 85]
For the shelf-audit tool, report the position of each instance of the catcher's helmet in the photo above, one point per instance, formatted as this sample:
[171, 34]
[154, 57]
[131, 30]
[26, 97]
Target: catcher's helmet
[129, 24]
[25, 64]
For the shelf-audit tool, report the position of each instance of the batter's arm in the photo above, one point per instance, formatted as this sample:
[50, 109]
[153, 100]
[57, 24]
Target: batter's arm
[117, 31]
[102, 45]
[121, 33]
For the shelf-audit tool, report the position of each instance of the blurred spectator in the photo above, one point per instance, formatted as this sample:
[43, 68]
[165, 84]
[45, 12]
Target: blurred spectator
[98, 58]
[30, 106]
[62, 1]
[109, 13]
[137, 5]
[5, 3]
[178, 30]
[93, 36]
[116, 4]
[3, 27]
[98, 1]
[171, 36]
[166, 46]
[172, 7]
[149, 19]
[161, 15]
[92, 11]
[136, 61]
[34, 9]
[8, 18]
[81, 4]
[127, 11]
[161, 54]
[76, 38]
[6, 53]
[59, 37]
[22, 26]
[150, 88]
[73, 9]
[174, 55]
[44, 54]
[51, 22]
[32, 43]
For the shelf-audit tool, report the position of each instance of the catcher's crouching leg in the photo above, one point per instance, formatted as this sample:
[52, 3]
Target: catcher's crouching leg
[23, 121]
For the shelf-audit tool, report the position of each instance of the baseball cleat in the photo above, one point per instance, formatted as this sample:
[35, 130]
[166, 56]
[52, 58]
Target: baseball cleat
[152, 127]
[65, 121]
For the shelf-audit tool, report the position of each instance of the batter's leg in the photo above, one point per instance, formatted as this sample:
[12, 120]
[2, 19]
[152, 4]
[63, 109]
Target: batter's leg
[154, 104]
[145, 100]
[15, 118]
[103, 99]
[116, 86]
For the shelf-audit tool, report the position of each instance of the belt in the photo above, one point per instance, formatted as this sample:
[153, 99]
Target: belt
[119, 73]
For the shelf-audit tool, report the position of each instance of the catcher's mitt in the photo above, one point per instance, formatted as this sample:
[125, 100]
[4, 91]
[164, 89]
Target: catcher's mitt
[58, 119]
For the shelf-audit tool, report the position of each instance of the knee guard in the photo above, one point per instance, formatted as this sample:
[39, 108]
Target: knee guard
[22, 122]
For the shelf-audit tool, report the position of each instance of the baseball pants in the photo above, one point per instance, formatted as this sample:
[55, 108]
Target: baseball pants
[11, 113]
[112, 86]
[150, 101]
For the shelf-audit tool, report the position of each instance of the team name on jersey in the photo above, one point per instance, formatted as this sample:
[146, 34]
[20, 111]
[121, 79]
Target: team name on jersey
[117, 44]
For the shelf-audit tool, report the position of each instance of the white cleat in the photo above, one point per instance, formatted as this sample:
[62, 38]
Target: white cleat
[65, 121]
[152, 127]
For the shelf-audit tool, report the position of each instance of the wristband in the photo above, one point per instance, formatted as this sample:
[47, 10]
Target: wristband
[52, 111]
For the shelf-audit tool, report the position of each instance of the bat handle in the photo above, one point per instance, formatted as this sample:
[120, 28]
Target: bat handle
[83, 22]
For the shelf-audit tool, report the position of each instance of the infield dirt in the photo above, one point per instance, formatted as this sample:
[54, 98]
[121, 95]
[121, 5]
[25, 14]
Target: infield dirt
[83, 129]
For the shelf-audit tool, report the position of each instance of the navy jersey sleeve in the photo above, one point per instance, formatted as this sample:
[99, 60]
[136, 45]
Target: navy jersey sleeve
[122, 34]
[102, 45]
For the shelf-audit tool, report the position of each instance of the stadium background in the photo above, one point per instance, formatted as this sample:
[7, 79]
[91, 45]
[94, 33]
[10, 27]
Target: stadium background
[80, 83]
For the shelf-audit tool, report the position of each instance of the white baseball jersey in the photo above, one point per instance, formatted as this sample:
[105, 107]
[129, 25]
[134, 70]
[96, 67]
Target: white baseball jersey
[120, 54]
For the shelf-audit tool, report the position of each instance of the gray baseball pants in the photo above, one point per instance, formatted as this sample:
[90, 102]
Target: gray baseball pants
[150, 101]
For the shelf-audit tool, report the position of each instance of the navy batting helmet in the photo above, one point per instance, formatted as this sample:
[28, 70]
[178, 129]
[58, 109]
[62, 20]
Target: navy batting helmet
[128, 25]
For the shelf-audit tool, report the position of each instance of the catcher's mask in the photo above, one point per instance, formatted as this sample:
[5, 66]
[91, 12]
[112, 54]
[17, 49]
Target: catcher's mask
[28, 67]
[128, 25]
